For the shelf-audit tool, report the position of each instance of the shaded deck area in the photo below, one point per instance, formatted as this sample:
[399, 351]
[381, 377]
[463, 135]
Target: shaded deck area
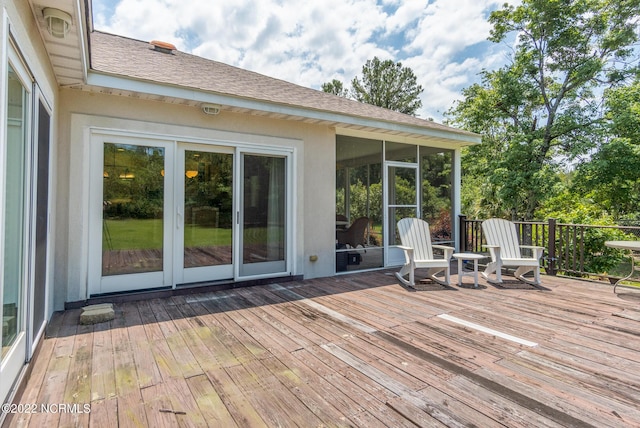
[352, 350]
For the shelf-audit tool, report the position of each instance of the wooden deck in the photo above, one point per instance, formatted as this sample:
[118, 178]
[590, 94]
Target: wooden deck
[354, 350]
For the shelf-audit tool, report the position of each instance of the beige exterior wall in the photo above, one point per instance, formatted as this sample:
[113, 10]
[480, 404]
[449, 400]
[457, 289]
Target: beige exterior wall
[314, 160]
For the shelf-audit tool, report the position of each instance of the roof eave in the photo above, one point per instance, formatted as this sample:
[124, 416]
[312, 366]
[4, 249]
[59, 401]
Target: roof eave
[123, 83]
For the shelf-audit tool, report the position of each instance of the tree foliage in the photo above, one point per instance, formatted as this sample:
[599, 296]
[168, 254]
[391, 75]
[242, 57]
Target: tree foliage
[335, 87]
[384, 84]
[389, 85]
[612, 177]
[623, 111]
[544, 107]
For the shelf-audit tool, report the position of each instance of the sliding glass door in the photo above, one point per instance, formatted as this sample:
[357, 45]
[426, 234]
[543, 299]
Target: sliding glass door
[205, 226]
[25, 133]
[172, 213]
[263, 215]
[135, 216]
[14, 230]
[41, 217]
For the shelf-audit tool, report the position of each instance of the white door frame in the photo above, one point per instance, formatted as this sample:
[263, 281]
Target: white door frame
[36, 332]
[184, 275]
[173, 273]
[99, 284]
[392, 255]
[14, 360]
[290, 213]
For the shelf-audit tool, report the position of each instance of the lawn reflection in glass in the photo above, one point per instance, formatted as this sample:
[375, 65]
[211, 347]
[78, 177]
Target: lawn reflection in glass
[208, 209]
[133, 209]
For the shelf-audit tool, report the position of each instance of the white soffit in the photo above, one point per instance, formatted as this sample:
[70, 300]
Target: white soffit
[118, 85]
[68, 55]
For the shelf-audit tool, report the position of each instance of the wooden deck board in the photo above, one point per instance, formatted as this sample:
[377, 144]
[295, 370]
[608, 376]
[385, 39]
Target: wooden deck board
[236, 402]
[352, 350]
[500, 408]
[579, 403]
[78, 385]
[103, 375]
[52, 390]
[209, 402]
[146, 366]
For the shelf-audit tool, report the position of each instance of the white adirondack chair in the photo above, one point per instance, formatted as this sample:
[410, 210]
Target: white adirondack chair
[418, 251]
[502, 242]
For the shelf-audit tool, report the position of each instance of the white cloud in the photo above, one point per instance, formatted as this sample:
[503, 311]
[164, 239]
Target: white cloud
[309, 43]
[405, 15]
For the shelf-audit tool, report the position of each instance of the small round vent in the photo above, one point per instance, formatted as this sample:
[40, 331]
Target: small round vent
[163, 47]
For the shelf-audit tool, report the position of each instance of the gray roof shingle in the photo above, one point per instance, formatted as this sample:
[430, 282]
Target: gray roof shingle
[117, 55]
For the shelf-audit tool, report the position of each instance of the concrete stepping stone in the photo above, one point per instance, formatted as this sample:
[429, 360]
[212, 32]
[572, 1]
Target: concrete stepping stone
[94, 314]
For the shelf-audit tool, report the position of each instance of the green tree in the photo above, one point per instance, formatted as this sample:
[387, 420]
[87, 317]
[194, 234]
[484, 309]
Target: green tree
[383, 84]
[544, 106]
[389, 85]
[612, 176]
[335, 87]
[623, 111]
[572, 207]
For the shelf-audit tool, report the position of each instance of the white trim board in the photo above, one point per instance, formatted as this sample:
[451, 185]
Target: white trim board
[488, 330]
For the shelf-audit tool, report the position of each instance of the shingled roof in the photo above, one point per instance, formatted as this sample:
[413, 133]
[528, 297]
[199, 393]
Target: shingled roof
[134, 59]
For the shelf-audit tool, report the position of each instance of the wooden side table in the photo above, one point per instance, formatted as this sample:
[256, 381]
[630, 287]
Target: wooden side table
[468, 256]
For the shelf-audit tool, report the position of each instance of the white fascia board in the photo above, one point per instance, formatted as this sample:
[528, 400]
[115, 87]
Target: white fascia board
[151, 88]
[449, 141]
[83, 37]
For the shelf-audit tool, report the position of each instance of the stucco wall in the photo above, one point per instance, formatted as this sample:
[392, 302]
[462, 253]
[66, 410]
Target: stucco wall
[314, 176]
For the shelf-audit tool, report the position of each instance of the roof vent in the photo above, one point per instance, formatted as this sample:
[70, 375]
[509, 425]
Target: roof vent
[163, 47]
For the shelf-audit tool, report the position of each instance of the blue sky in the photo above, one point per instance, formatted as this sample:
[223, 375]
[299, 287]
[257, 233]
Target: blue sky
[309, 43]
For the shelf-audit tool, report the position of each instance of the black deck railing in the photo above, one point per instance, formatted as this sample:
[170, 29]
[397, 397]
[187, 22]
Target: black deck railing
[570, 249]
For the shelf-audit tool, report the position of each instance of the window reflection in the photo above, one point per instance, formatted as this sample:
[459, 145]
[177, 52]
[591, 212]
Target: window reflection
[436, 168]
[208, 209]
[264, 232]
[133, 209]
[14, 224]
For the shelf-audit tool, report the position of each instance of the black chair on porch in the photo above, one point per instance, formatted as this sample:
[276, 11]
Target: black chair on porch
[354, 235]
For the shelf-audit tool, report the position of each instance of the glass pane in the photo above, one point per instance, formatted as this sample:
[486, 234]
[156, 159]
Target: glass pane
[436, 167]
[358, 195]
[42, 216]
[395, 215]
[14, 214]
[402, 186]
[263, 209]
[359, 184]
[208, 209]
[400, 152]
[133, 209]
